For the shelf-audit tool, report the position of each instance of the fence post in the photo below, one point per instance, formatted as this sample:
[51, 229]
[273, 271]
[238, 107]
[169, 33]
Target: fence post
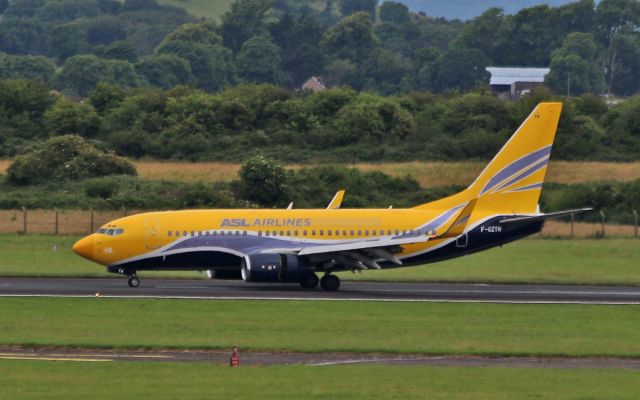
[91, 225]
[24, 220]
[635, 217]
[55, 231]
[124, 211]
[602, 216]
[573, 220]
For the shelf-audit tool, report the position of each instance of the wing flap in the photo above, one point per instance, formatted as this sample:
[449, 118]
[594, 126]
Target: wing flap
[368, 244]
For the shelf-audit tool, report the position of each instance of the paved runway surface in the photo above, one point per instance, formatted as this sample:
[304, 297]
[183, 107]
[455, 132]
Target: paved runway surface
[211, 289]
[310, 359]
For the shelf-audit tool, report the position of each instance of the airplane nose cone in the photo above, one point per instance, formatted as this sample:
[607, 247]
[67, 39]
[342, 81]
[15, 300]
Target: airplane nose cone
[84, 247]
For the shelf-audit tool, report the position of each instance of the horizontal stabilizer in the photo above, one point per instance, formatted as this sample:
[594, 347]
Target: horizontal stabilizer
[558, 214]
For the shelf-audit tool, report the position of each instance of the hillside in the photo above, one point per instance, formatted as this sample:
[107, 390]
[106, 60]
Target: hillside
[467, 9]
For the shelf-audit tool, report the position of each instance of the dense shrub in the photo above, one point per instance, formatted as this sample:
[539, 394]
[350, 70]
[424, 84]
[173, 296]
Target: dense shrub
[63, 158]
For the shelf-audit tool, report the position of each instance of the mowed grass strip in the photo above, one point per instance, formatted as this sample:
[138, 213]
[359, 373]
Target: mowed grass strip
[609, 261]
[338, 326]
[51, 256]
[543, 261]
[66, 380]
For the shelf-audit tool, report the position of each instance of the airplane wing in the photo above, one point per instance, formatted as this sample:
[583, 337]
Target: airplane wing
[355, 255]
[553, 215]
[336, 202]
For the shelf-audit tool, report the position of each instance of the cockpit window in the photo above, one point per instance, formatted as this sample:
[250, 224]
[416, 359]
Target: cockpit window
[111, 232]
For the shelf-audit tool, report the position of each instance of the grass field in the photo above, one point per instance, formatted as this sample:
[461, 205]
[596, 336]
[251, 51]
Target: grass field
[429, 174]
[610, 261]
[422, 328]
[65, 380]
[201, 8]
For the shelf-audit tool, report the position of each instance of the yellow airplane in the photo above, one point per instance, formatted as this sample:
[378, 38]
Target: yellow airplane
[294, 245]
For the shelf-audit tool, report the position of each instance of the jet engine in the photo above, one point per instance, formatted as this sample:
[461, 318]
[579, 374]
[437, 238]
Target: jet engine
[275, 268]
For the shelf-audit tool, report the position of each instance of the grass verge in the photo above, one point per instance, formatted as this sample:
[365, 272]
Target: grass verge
[65, 380]
[425, 328]
[610, 261]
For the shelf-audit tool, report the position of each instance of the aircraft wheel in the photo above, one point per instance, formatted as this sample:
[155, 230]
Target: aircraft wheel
[330, 283]
[134, 282]
[310, 282]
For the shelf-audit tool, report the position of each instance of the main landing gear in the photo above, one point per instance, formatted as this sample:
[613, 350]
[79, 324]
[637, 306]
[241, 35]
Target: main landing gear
[134, 281]
[310, 282]
[329, 283]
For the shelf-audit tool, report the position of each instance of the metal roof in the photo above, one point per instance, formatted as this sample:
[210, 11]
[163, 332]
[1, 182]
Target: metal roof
[508, 76]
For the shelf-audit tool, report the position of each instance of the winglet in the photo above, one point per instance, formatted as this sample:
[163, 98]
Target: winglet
[336, 202]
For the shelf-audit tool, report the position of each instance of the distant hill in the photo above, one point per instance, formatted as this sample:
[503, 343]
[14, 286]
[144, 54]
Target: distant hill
[467, 9]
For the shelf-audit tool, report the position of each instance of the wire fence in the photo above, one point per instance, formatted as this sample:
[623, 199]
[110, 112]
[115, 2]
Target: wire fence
[82, 222]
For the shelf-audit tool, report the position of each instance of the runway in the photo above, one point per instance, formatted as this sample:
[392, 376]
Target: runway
[309, 359]
[349, 291]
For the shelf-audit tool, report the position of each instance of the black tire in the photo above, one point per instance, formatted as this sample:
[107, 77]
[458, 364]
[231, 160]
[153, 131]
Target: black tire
[330, 283]
[310, 282]
[134, 282]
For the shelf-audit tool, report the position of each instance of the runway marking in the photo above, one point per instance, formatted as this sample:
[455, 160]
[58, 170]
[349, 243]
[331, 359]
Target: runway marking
[36, 358]
[374, 360]
[443, 300]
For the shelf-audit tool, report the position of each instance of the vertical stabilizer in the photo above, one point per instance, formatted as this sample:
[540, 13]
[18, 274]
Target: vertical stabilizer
[512, 181]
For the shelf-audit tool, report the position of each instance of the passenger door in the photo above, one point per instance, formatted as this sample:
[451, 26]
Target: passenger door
[152, 236]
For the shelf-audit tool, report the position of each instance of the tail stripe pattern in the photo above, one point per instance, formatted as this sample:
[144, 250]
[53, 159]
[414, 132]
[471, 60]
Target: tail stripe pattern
[516, 167]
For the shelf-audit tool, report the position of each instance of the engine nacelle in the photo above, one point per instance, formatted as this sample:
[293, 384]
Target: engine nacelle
[275, 268]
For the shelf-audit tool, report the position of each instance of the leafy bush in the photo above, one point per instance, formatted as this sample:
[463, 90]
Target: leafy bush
[66, 157]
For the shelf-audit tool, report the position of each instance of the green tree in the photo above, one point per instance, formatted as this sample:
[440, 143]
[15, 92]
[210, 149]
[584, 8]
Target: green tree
[263, 181]
[67, 40]
[259, 61]
[351, 39]
[140, 5]
[211, 65]
[574, 67]
[26, 67]
[22, 36]
[66, 158]
[484, 33]
[106, 97]
[105, 29]
[165, 71]
[623, 64]
[374, 120]
[395, 13]
[67, 10]
[81, 74]
[23, 8]
[349, 7]
[460, 68]
[202, 33]
[613, 16]
[67, 117]
[245, 19]
[118, 50]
